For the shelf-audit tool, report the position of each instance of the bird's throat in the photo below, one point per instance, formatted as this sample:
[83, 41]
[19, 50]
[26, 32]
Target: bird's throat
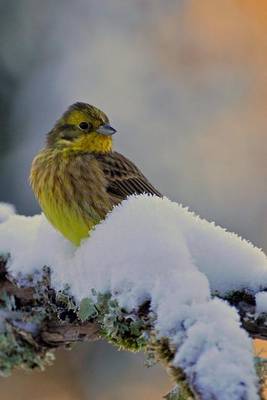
[94, 142]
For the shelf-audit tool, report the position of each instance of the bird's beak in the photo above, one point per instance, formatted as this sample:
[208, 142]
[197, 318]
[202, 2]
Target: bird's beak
[106, 130]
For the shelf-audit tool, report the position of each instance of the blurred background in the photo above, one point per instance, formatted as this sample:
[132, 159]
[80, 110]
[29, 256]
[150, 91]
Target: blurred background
[185, 84]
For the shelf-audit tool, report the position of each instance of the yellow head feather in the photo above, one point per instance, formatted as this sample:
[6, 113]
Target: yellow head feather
[80, 129]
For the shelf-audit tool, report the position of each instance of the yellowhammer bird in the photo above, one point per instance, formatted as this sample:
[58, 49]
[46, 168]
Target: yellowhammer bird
[77, 178]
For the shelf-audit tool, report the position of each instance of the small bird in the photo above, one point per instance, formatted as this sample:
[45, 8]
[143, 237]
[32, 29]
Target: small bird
[77, 178]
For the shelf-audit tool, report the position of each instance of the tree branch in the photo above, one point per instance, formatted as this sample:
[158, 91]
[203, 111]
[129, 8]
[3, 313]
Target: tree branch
[254, 323]
[38, 320]
[60, 327]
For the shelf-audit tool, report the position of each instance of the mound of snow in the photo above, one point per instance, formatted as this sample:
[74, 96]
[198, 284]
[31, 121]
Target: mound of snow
[6, 210]
[152, 248]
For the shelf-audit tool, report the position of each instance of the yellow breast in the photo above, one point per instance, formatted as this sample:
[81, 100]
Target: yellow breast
[70, 223]
[66, 206]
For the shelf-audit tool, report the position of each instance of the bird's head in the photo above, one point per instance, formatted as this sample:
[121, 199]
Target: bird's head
[82, 128]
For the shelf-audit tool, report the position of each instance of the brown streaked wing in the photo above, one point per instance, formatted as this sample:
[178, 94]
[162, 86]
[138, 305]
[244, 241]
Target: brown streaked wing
[123, 177]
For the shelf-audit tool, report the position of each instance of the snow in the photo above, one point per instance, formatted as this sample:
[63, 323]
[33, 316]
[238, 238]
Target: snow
[261, 302]
[6, 210]
[152, 248]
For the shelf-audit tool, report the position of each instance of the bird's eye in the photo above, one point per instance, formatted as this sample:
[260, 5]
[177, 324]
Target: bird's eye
[84, 126]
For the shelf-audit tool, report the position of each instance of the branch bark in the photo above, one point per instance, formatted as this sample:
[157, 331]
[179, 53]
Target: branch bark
[254, 323]
[56, 330]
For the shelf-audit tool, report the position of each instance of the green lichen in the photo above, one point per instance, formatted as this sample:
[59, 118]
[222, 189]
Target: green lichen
[87, 310]
[17, 346]
[20, 322]
[125, 330]
[16, 352]
[179, 393]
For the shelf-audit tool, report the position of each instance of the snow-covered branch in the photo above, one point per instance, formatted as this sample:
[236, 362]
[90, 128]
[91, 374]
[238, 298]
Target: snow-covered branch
[151, 277]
